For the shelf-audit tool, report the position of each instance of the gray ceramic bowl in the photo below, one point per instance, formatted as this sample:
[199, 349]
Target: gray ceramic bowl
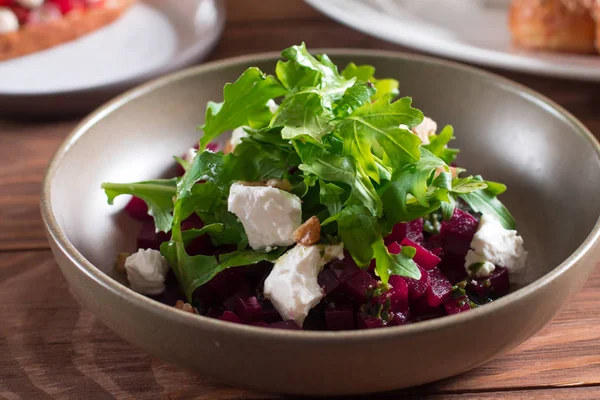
[550, 162]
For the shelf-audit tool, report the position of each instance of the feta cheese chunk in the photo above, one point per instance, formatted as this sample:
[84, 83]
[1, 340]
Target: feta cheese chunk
[292, 285]
[269, 215]
[426, 128]
[8, 20]
[485, 268]
[146, 271]
[236, 136]
[190, 154]
[496, 245]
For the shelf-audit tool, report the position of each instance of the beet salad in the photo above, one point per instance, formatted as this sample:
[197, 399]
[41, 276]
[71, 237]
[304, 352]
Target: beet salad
[333, 205]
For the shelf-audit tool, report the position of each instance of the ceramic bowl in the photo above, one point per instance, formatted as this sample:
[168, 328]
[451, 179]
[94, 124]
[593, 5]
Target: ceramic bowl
[549, 161]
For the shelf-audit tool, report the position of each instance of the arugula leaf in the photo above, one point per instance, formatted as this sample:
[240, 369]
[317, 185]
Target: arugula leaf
[157, 194]
[329, 195]
[410, 179]
[394, 264]
[191, 234]
[486, 202]
[332, 168]
[366, 73]
[244, 104]
[379, 123]
[360, 234]
[302, 115]
[438, 145]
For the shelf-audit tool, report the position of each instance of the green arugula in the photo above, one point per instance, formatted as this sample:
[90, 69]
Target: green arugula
[345, 146]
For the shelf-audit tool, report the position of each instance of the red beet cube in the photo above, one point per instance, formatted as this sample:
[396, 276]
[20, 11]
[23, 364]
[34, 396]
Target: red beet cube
[398, 294]
[249, 309]
[400, 319]
[455, 306]
[358, 285]
[262, 324]
[499, 281]
[439, 290]
[417, 287]
[328, 281]
[290, 325]
[412, 230]
[453, 267]
[137, 209]
[230, 317]
[148, 238]
[423, 257]
[340, 317]
[344, 269]
[227, 282]
[368, 322]
[270, 314]
[458, 232]
[394, 248]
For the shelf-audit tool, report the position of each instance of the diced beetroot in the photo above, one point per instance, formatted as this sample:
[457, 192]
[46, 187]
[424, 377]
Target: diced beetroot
[368, 322]
[328, 281]
[344, 269]
[227, 282]
[358, 285]
[290, 325]
[398, 294]
[248, 309]
[412, 230]
[148, 238]
[439, 290]
[479, 289]
[394, 248]
[212, 146]
[230, 302]
[458, 232]
[230, 317]
[438, 251]
[421, 310]
[340, 317]
[270, 314]
[201, 244]
[426, 259]
[455, 306]
[453, 267]
[399, 319]
[137, 209]
[6, 3]
[417, 287]
[499, 281]
[22, 13]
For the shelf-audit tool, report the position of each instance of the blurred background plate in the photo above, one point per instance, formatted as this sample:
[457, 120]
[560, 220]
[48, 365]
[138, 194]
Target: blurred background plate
[154, 37]
[469, 30]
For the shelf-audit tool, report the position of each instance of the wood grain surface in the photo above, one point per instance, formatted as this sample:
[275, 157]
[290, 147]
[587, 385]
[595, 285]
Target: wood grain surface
[51, 348]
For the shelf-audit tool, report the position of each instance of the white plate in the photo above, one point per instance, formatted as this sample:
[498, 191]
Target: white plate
[152, 38]
[469, 30]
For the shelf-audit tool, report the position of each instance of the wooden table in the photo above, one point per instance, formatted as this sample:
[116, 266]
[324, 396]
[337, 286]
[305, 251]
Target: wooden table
[50, 348]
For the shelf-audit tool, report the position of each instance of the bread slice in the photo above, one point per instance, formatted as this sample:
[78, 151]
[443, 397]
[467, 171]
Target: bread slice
[556, 25]
[30, 39]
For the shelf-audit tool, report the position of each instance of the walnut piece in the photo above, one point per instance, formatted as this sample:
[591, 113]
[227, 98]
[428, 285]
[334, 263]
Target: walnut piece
[309, 232]
[187, 307]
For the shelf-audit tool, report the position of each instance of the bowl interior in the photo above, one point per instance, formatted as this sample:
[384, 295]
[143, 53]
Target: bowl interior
[550, 166]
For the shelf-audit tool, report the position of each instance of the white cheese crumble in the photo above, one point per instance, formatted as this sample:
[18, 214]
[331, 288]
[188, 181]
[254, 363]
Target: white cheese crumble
[494, 244]
[31, 4]
[239, 133]
[146, 271]
[190, 154]
[8, 20]
[269, 215]
[426, 128]
[292, 285]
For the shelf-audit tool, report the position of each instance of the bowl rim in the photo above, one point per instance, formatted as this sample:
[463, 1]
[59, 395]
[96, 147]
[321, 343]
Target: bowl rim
[245, 331]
